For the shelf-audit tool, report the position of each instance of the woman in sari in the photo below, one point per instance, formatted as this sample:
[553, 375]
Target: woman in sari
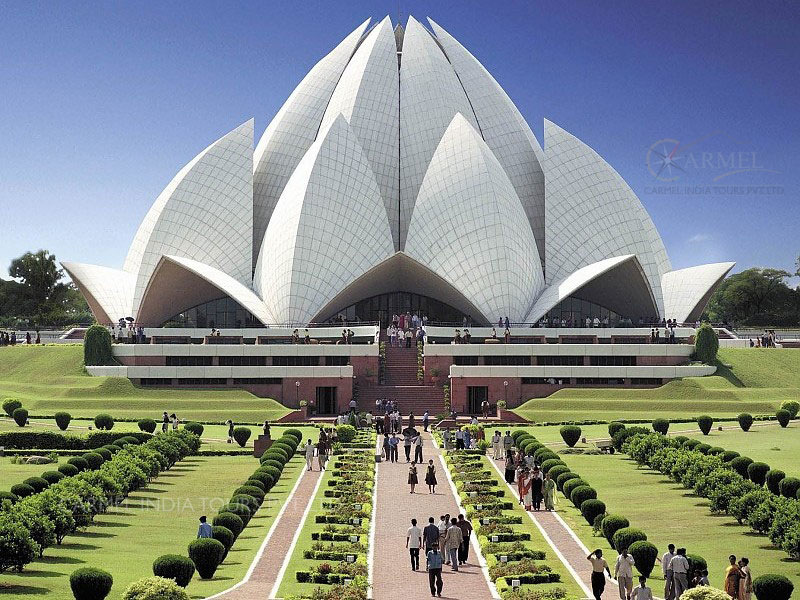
[746, 580]
[520, 480]
[510, 468]
[536, 487]
[526, 490]
[732, 576]
[549, 489]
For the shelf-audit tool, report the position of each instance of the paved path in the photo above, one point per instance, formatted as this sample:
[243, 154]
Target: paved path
[395, 507]
[566, 544]
[263, 574]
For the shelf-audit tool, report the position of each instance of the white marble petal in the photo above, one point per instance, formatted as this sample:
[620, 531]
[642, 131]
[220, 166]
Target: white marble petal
[687, 291]
[109, 292]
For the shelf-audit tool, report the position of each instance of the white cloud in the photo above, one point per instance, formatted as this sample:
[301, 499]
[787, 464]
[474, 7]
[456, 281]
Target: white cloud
[699, 238]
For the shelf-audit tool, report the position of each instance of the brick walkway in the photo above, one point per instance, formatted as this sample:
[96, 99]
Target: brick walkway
[571, 552]
[263, 576]
[392, 574]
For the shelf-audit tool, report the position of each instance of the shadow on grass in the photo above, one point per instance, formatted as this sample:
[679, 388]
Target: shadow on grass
[79, 546]
[726, 373]
[23, 590]
[60, 560]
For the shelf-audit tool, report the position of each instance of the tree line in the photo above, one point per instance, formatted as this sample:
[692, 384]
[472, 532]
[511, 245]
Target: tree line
[37, 296]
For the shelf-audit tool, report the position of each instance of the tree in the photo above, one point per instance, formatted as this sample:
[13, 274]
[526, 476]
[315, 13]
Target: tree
[757, 296]
[39, 275]
[706, 344]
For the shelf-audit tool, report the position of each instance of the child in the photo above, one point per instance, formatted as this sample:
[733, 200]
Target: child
[412, 476]
[704, 578]
[642, 592]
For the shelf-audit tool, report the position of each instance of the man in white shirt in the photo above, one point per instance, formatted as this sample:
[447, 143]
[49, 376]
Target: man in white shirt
[413, 543]
[309, 452]
[497, 447]
[641, 591]
[680, 572]
[508, 442]
[623, 573]
[666, 568]
[459, 440]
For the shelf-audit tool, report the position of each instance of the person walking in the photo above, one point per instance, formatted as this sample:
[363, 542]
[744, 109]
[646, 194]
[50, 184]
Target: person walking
[680, 572]
[733, 575]
[466, 532]
[508, 443]
[407, 444]
[746, 581]
[623, 573]
[412, 476]
[452, 542]
[228, 422]
[537, 484]
[666, 569]
[430, 536]
[641, 591]
[426, 418]
[459, 439]
[387, 452]
[322, 454]
[430, 477]
[205, 530]
[434, 560]
[497, 442]
[418, 449]
[393, 442]
[165, 425]
[510, 469]
[549, 491]
[413, 543]
[309, 454]
[599, 568]
[446, 439]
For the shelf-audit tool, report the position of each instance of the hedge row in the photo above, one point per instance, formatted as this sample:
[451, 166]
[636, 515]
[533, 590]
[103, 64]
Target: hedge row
[50, 440]
[710, 476]
[62, 501]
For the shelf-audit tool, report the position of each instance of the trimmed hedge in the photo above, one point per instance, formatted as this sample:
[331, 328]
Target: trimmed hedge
[582, 493]
[230, 521]
[613, 523]
[241, 435]
[705, 423]
[63, 420]
[149, 426]
[788, 486]
[89, 583]
[104, 422]
[773, 480]
[757, 472]
[644, 554]
[661, 426]
[772, 587]
[10, 405]
[206, 554]
[783, 416]
[195, 428]
[591, 509]
[793, 406]
[626, 537]
[176, 567]
[20, 416]
[570, 434]
[745, 421]
[97, 346]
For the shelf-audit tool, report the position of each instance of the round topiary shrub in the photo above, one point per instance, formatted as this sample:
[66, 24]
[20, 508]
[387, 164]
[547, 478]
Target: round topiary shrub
[557, 470]
[245, 500]
[276, 453]
[793, 406]
[11, 497]
[740, 465]
[772, 587]
[195, 428]
[783, 416]
[113, 448]
[614, 427]
[550, 463]
[273, 472]
[297, 434]
[148, 426]
[757, 472]
[571, 485]
[745, 421]
[612, 524]
[716, 451]
[591, 509]
[97, 346]
[68, 470]
[570, 434]
[697, 562]
[265, 478]
[224, 536]
[63, 420]
[104, 422]
[346, 433]
[691, 444]
[229, 521]
[37, 483]
[704, 592]
[176, 567]
[206, 554]
[94, 459]
[89, 583]
[788, 487]
[78, 462]
[52, 477]
[773, 480]
[20, 416]
[705, 423]
[543, 454]
[702, 448]
[240, 510]
[661, 426]
[626, 537]
[582, 493]
[271, 462]
[155, 588]
[22, 490]
[564, 477]
[706, 344]
[729, 455]
[104, 452]
[241, 435]
[256, 483]
[644, 555]
[10, 405]
[249, 490]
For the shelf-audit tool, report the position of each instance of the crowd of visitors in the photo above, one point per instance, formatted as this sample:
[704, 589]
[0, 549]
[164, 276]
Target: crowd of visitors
[765, 340]
[10, 339]
[443, 543]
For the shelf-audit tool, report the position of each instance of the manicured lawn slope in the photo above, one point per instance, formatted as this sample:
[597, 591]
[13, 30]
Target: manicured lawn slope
[757, 382]
[51, 378]
[158, 519]
[669, 513]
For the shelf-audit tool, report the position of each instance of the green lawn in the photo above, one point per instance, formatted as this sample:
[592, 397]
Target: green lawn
[749, 380]
[769, 443]
[669, 513]
[51, 378]
[159, 519]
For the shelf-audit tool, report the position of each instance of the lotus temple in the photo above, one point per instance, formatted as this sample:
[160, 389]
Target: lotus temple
[399, 178]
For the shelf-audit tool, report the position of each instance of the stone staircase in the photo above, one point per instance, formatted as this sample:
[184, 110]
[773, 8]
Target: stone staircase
[401, 384]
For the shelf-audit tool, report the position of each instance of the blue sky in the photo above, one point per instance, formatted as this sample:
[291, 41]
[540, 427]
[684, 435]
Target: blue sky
[102, 103]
